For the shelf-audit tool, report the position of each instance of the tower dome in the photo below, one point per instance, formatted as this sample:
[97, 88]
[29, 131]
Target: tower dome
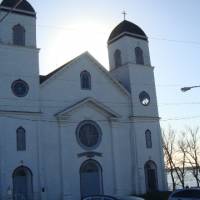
[24, 7]
[126, 28]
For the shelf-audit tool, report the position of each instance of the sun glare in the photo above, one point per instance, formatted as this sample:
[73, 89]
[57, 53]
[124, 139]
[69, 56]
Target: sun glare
[68, 42]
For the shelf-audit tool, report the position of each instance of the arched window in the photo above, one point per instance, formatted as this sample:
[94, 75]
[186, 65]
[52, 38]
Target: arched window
[18, 35]
[139, 56]
[151, 176]
[22, 183]
[85, 80]
[148, 139]
[91, 178]
[21, 139]
[117, 58]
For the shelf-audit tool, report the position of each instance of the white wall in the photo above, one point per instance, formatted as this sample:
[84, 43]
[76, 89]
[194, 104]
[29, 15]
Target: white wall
[115, 145]
[28, 22]
[145, 154]
[52, 149]
[127, 46]
[64, 89]
[11, 158]
[18, 62]
[142, 79]
[138, 78]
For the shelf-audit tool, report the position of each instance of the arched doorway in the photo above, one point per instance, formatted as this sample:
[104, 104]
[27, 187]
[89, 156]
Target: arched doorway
[91, 178]
[22, 184]
[151, 176]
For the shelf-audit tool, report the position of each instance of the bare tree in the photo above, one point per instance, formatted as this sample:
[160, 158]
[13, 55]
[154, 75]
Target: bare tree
[182, 151]
[181, 160]
[193, 152]
[169, 153]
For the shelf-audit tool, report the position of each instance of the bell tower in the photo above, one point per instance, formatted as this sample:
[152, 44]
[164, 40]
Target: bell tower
[130, 64]
[19, 69]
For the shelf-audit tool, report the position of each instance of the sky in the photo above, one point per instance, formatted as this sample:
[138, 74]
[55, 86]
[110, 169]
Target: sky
[65, 29]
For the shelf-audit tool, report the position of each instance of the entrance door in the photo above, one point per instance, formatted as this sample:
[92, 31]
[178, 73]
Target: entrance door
[90, 178]
[22, 184]
[151, 176]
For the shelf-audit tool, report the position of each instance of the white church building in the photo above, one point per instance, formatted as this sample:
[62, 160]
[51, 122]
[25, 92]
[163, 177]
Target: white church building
[81, 129]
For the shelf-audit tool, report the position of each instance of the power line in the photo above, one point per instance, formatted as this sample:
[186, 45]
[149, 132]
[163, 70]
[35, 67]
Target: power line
[95, 81]
[41, 101]
[180, 118]
[45, 119]
[75, 81]
[178, 104]
[101, 32]
[176, 41]
[191, 42]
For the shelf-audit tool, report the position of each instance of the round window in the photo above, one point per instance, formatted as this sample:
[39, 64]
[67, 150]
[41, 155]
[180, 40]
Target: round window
[20, 88]
[88, 134]
[144, 98]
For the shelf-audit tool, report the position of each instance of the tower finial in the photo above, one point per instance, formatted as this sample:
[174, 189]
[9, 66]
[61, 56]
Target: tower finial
[124, 13]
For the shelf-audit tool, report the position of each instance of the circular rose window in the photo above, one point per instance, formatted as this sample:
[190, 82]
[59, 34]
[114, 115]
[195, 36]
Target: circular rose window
[144, 98]
[20, 88]
[88, 134]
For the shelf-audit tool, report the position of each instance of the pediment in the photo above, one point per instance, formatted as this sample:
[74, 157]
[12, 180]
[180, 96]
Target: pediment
[87, 101]
[54, 74]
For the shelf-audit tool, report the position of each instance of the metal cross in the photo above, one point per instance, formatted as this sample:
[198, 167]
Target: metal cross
[124, 13]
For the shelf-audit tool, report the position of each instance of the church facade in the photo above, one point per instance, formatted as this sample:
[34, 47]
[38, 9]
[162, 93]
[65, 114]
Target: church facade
[79, 130]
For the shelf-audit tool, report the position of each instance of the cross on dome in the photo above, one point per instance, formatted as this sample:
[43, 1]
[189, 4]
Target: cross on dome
[124, 13]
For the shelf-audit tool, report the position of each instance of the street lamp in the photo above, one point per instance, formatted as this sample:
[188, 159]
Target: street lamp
[185, 89]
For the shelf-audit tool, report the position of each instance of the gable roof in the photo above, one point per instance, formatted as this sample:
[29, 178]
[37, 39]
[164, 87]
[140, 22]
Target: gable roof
[47, 77]
[43, 78]
[92, 101]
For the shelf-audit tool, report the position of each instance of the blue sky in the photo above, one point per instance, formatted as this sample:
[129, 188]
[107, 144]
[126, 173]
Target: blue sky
[67, 28]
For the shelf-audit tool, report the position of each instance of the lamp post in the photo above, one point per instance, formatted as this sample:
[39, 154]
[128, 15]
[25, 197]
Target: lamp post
[185, 89]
